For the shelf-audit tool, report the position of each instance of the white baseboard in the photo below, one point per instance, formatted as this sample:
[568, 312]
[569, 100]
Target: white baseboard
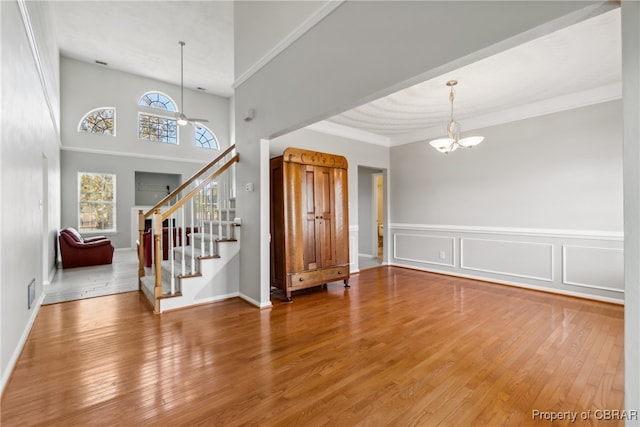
[515, 284]
[23, 339]
[254, 302]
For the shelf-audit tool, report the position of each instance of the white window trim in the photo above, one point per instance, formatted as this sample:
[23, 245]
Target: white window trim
[88, 113]
[175, 104]
[195, 141]
[114, 203]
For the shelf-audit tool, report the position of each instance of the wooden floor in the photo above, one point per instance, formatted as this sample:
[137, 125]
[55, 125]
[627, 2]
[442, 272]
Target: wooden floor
[400, 348]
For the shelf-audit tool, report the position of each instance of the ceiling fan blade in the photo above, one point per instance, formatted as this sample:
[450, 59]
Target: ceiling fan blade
[198, 120]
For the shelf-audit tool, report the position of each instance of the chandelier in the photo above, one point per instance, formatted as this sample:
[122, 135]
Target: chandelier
[453, 141]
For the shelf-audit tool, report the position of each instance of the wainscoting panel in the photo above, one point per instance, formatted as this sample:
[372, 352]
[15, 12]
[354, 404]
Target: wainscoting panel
[582, 263]
[593, 267]
[424, 249]
[520, 259]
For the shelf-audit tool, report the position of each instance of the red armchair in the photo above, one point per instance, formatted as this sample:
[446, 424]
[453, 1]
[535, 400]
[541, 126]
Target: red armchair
[79, 252]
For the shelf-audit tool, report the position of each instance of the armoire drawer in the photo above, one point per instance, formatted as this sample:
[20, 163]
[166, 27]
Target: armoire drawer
[308, 278]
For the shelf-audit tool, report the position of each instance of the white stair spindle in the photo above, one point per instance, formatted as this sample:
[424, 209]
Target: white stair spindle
[183, 230]
[193, 258]
[211, 217]
[203, 206]
[171, 254]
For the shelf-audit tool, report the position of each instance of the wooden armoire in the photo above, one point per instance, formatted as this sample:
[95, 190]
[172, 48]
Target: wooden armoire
[309, 220]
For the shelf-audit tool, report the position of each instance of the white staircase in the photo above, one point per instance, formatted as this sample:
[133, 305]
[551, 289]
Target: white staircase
[196, 260]
[214, 277]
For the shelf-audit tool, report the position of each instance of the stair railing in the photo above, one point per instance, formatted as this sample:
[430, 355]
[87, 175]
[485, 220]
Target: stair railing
[196, 207]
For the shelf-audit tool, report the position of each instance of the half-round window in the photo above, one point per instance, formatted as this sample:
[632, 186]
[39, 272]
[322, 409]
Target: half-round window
[158, 100]
[100, 120]
[204, 138]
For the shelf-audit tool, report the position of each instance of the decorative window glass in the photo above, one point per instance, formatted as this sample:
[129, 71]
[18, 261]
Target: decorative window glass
[204, 138]
[101, 121]
[156, 128]
[97, 202]
[158, 100]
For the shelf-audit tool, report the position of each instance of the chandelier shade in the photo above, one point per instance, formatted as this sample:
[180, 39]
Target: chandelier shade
[453, 141]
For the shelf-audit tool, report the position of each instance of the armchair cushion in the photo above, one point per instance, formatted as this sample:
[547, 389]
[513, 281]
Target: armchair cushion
[79, 252]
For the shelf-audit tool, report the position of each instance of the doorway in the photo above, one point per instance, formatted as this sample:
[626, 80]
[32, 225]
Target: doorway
[371, 221]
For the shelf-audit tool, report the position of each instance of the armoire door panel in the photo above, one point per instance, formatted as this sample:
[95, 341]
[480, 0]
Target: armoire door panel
[324, 200]
[309, 248]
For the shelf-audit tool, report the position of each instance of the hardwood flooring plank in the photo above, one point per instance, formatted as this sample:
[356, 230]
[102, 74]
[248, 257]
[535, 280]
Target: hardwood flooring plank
[400, 347]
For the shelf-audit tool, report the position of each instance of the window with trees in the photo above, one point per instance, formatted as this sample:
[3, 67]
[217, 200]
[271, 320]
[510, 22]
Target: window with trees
[157, 126]
[96, 202]
[100, 120]
[204, 138]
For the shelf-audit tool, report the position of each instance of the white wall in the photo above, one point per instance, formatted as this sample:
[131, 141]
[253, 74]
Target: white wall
[29, 133]
[631, 108]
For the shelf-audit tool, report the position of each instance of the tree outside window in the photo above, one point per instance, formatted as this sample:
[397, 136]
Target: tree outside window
[97, 202]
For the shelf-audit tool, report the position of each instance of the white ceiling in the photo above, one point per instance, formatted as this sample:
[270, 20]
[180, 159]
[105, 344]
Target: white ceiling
[141, 37]
[575, 66]
[578, 65]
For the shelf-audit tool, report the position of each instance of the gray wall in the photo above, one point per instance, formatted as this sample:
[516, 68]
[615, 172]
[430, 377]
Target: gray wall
[538, 204]
[124, 167]
[332, 68]
[30, 167]
[560, 171]
[87, 86]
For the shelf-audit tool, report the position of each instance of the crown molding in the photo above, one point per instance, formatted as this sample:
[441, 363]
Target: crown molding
[535, 109]
[35, 52]
[306, 25]
[349, 132]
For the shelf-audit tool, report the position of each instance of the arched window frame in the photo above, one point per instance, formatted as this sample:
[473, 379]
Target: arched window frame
[94, 128]
[169, 104]
[200, 138]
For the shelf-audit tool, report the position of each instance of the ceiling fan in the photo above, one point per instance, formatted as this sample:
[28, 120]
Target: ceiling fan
[181, 118]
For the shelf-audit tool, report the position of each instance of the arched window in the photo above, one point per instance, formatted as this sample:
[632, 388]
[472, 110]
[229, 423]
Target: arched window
[100, 120]
[158, 100]
[204, 138]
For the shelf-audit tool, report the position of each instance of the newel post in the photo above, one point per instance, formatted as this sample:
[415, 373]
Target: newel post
[157, 234]
[140, 248]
